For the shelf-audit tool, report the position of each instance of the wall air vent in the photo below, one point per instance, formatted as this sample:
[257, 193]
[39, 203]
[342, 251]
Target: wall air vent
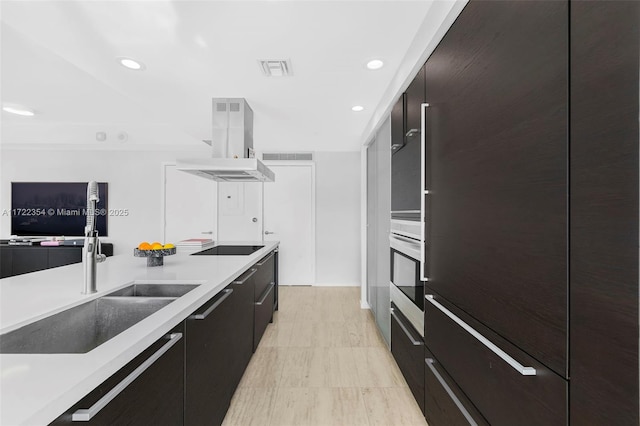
[287, 156]
[276, 67]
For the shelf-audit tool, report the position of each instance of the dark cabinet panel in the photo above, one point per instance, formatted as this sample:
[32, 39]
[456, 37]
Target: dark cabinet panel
[6, 262]
[18, 260]
[263, 313]
[497, 144]
[398, 125]
[444, 403]
[61, 256]
[604, 212]
[406, 161]
[155, 397]
[210, 373]
[265, 274]
[29, 259]
[500, 392]
[407, 349]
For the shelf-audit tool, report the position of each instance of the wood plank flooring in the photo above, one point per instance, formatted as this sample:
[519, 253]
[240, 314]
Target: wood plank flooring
[322, 362]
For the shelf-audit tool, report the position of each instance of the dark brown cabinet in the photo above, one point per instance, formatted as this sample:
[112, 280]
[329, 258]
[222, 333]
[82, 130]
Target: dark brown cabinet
[407, 349]
[264, 295]
[17, 260]
[604, 212]
[147, 391]
[444, 402]
[497, 143]
[219, 347]
[406, 160]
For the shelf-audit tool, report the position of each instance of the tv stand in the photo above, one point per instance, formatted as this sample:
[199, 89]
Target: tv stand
[17, 260]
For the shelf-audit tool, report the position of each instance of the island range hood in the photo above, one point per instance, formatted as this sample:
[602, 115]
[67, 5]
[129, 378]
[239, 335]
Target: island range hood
[232, 156]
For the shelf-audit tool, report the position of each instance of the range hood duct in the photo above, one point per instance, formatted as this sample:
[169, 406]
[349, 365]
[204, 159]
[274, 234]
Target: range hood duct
[232, 157]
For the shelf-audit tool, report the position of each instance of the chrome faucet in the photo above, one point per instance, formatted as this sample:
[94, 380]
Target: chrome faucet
[92, 250]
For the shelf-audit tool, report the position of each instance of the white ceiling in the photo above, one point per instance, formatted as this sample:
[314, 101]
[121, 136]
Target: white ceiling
[58, 57]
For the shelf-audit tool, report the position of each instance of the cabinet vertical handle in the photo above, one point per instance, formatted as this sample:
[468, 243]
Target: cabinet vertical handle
[227, 292]
[85, 415]
[266, 293]
[525, 371]
[423, 190]
[404, 328]
[244, 280]
[454, 398]
[266, 259]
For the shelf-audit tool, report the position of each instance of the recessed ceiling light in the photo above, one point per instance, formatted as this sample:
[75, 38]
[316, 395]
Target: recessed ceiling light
[19, 110]
[375, 64]
[357, 108]
[132, 64]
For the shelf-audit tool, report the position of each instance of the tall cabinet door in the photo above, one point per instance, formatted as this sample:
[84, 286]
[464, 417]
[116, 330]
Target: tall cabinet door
[604, 212]
[497, 143]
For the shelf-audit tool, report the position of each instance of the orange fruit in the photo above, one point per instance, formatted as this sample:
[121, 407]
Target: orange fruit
[156, 246]
[144, 246]
[154, 243]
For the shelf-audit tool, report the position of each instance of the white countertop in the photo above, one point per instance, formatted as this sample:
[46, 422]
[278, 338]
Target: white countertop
[37, 388]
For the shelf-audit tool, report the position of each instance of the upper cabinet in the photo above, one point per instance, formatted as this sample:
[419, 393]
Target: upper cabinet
[406, 151]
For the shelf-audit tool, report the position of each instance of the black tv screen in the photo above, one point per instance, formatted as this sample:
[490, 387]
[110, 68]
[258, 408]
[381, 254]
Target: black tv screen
[54, 209]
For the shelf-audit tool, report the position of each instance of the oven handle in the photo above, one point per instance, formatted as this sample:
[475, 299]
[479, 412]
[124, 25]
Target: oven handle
[404, 239]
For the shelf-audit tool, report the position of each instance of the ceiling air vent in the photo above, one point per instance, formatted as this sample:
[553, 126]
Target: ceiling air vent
[287, 156]
[276, 67]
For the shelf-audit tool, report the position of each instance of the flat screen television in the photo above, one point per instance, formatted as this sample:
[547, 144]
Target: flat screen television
[54, 209]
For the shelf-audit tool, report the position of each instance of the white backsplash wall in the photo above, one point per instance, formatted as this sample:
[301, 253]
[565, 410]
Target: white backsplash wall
[338, 218]
[134, 178]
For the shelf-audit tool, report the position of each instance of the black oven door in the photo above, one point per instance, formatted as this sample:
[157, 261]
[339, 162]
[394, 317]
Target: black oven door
[405, 271]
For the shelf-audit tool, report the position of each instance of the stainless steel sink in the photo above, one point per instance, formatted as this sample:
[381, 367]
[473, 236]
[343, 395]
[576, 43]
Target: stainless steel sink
[154, 290]
[81, 328]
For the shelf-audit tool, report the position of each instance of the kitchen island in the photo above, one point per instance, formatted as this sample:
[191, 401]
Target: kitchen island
[37, 388]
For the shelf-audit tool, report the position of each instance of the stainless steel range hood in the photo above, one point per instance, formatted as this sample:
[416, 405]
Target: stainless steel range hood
[231, 147]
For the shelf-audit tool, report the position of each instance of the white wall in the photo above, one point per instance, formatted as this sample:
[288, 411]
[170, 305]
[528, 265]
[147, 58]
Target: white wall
[134, 177]
[338, 249]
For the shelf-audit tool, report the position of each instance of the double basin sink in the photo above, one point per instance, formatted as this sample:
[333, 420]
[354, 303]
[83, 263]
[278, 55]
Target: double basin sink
[85, 327]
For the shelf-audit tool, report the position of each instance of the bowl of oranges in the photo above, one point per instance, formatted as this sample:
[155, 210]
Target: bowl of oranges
[154, 252]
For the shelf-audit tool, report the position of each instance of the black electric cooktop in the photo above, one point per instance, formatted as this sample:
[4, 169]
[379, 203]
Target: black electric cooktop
[228, 251]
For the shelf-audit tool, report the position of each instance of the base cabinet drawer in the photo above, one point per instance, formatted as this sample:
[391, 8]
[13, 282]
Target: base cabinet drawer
[147, 391]
[263, 313]
[505, 384]
[444, 403]
[407, 349]
[265, 274]
[216, 355]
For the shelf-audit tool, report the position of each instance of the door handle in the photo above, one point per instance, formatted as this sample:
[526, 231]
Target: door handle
[268, 232]
[412, 132]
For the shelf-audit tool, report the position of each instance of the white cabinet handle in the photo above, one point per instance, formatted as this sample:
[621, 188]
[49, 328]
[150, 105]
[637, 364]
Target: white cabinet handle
[85, 415]
[266, 293]
[454, 398]
[244, 279]
[525, 371]
[404, 328]
[266, 259]
[423, 190]
[227, 292]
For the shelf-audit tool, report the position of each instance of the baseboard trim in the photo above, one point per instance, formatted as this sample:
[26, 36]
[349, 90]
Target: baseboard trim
[364, 305]
[336, 284]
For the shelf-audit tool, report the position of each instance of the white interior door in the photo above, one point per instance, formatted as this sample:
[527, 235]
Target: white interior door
[189, 206]
[289, 217]
[240, 211]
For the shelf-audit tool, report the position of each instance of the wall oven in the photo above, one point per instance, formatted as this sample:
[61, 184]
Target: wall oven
[406, 287]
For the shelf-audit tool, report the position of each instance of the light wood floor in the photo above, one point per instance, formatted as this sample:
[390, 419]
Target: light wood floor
[322, 362]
